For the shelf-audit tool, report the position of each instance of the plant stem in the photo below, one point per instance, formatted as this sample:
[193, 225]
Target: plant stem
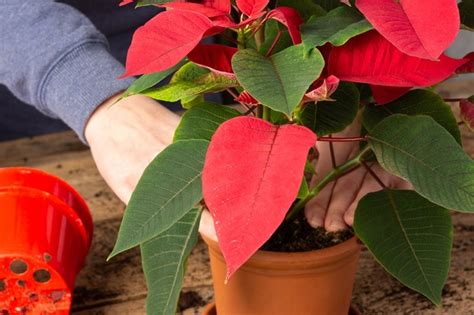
[333, 155]
[259, 113]
[372, 173]
[267, 113]
[275, 42]
[342, 139]
[334, 174]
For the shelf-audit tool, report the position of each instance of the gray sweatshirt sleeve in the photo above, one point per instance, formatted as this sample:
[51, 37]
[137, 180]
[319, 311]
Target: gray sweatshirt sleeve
[52, 57]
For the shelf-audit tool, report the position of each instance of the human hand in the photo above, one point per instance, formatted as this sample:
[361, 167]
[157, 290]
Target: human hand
[335, 205]
[126, 136]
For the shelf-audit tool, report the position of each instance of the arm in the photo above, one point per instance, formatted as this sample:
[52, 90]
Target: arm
[52, 57]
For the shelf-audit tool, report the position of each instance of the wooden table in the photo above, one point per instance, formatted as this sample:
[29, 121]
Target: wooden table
[118, 287]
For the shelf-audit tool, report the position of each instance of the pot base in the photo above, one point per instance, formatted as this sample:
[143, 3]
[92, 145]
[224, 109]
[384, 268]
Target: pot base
[210, 309]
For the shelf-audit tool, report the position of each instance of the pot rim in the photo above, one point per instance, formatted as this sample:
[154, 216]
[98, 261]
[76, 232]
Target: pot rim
[330, 256]
[81, 208]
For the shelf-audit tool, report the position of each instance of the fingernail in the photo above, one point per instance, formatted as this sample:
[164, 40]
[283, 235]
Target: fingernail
[335, 225]
[315, 221]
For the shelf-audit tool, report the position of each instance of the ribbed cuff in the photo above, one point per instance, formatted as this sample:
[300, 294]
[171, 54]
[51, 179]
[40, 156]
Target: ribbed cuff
[80, 80]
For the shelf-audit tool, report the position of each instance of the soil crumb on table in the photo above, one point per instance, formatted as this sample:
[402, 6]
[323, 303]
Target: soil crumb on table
[298, 236]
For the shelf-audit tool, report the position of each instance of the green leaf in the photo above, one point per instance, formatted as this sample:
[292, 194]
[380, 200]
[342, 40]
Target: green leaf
[409, 236]
[416, 102]
[143, 3]
[333, 116]
[281, 80]
[466, 9]
[147, 81]
[190, 82]
[201, 121]
[424, 153]
[272, 27]
[169, 188]
[306, 8]
[337, 27]
[304, 189]
[164, 261]
[328, 5]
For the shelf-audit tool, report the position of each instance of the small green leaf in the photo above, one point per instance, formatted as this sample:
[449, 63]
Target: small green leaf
[333, 116]
[143, 3]
[306, 8]
[281, 80]
[201, 121]
[147, 81]
[164, 259]
[337, 27]
[272, 27]
[169, 187]
[416, 102]
[419, 150]
[466, 9]
[190, 82]
[409, 236]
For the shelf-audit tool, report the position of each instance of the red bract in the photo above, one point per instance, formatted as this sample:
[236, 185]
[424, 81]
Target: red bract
[469, 66]
[467, 113]
[246, 98]
[165, 40]
[125, 2]
[217, 58]
[324, 91]
[221, 5]
[422, 29]
[370, 58]
[252, 8]
[387, 94]
[291, 19]
[195, 7]
[251, 176]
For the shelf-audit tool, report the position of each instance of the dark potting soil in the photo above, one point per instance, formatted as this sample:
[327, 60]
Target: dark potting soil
[298, 236]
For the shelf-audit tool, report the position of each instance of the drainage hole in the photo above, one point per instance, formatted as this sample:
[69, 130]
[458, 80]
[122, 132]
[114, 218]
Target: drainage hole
[3, 285]
[21, 283]
[34, 297]
[18, 266]
[41, 275]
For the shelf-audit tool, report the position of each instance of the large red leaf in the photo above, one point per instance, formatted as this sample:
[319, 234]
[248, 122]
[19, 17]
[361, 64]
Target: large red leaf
[422, 29]
[291, 19]
[251, 176]
[125, 2]
[215, 57]
[195, 7]
[221, 5]
[370, 58]
[467, 113]
[251, 8]
[165, 40]
[387, 94]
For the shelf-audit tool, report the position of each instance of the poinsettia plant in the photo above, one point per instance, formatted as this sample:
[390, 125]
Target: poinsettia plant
[302, 71]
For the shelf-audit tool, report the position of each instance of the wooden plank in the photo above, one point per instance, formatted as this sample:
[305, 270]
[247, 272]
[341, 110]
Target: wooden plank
[118, 287]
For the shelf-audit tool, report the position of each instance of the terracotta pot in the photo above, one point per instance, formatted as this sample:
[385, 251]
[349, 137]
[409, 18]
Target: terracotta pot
[270, 283]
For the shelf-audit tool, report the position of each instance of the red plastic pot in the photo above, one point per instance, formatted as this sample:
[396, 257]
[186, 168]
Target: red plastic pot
[46, 234]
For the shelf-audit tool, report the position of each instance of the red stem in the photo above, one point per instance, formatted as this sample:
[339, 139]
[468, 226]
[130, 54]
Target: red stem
[342, 139]
[275, 42]
[452, 99]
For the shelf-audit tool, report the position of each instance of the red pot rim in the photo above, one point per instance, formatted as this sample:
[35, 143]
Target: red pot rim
[54, 186]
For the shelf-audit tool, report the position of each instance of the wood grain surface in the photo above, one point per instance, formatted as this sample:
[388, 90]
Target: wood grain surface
[118, 287]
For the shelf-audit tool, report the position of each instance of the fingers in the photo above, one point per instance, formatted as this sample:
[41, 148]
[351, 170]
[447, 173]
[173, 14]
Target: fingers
[315, 210]
[345, 191]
